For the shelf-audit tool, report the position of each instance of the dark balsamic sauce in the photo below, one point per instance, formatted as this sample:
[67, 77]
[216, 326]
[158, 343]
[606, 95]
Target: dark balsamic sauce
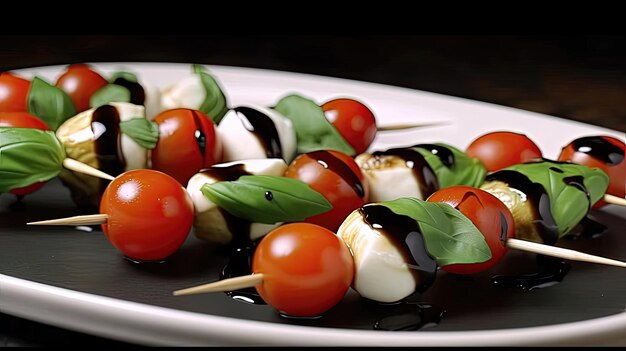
[552, 271]
[263, 128]
[600, 149]
[329, 161]
[544, 222]
[588, 227]
[425, 175]
[241, 248]
[404, 234]
[105, 125]
[404, 316]
[445, 155]
[199, 134]
[137, 94]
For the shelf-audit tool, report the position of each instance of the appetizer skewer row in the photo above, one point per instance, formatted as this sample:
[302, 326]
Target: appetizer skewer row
[243, 200]
[396, 248]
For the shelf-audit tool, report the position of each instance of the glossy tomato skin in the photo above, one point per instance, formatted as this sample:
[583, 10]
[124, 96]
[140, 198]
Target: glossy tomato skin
[23, 120]
[79, 81]
[188, 142]
[337, 177]
[354, 121]
[497, 150]
[149, 214]
[307, 269]
[13, 93]
[604, 152]
[489, 215]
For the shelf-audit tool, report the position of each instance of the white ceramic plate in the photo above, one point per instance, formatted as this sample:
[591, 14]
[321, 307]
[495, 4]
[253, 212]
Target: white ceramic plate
[465, 120]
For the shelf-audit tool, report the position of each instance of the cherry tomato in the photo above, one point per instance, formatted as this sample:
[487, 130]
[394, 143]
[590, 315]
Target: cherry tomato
[13, 93]
[604, 152]
[306, 269]
[23, 120]
[187, 143]
[497, 150]
[354, 121]
[337, 177]
[149, 214]
[79, 81]
[489, 215]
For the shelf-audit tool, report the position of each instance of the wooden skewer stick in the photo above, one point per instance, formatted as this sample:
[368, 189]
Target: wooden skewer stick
[249, 281]
[614, 200]
[80, 167]
[76, 220]
[399, 127]
[246, 281]
[567, 254]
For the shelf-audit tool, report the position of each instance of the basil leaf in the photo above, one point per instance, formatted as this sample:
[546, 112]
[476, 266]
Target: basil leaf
[131, 77]
[214, 104]
[313, 131]
[450, 236]
[49, 103]
[267, 199]
[109, 93]
[567, 186]
[28, 156]
[142, 131]
[464, 171]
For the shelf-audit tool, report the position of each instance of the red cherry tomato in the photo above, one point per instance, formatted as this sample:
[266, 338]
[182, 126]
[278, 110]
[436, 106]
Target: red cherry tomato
[306, 269]
[187, 143]
[149, 214]
[79, 81]
[497, 150]
[337, 177]
[23, 120]
[354, 121]
[13, 93]
[489, 215]
[604, 152]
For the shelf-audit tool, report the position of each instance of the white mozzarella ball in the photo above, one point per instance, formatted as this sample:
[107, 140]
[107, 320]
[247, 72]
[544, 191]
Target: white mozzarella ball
[242, 140]
[389, 177]
[381, 273]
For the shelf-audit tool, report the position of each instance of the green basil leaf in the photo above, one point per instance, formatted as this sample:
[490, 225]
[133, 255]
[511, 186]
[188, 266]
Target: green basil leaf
[142, 131]
[568, 201]
[131, 77]
[450, 236]
[28, 156]
[49, 103]
[109, 93]
[313, 131]
[267, 199]
[464, 171]
[214, 105]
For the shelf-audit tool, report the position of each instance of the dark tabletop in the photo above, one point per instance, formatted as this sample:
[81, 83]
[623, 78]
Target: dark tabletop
[577, 77]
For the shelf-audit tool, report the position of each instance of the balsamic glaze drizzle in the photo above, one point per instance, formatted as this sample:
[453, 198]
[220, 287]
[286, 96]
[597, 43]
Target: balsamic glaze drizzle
[105, 125]
[332, 163]
[137, 94]
[445, 155]
[404, 233]
[426, 177]
[263, 128]
[600, 149]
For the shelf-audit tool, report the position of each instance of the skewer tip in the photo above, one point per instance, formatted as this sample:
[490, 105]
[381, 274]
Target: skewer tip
[76, 220]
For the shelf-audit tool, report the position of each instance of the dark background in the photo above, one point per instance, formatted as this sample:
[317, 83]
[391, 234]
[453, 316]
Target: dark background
[577, 77]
